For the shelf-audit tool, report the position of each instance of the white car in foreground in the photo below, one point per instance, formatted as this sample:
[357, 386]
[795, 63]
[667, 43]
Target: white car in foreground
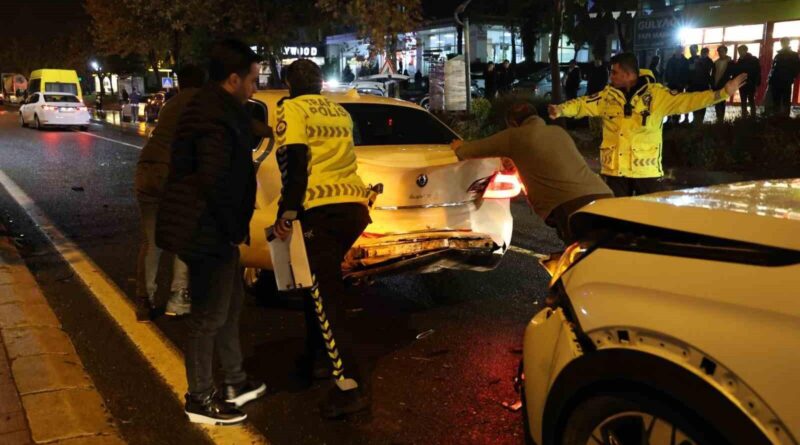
[434, 213]
[674, 320]
[54, 110]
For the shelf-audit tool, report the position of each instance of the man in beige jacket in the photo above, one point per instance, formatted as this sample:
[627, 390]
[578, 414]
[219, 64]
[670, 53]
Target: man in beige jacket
[553, 171]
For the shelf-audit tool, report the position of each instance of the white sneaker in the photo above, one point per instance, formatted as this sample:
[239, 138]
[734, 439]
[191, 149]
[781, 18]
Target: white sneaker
[179, 303]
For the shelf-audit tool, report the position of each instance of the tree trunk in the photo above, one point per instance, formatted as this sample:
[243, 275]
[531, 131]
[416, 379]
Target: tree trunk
[391, 52]
[275, 77]
[459, 38]
[623, 43]
[176, 50]
[102, 84]
[513, 46]
[154, 66]
[555, 37]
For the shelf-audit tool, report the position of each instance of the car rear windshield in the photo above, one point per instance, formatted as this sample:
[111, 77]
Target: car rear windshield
[60, 87]
[376, 124]
[63, 98]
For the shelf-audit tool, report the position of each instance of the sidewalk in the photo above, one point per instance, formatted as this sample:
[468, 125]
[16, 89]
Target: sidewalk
[114, 118]
[46, 396]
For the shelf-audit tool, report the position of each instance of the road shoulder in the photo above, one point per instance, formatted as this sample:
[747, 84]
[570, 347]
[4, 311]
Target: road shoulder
[57, 397]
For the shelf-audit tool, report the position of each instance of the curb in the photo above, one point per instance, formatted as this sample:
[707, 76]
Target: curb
[113, 118]
[50, 388]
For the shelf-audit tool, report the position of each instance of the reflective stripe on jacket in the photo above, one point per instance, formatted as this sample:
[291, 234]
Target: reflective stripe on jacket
[632, 141]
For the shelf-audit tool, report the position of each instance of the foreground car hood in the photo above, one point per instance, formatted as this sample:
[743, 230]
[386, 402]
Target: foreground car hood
[762, 212]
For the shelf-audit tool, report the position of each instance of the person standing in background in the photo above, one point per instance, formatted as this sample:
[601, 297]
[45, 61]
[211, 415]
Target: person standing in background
[722, 73]
[748, 64]
[700, 68]
[785, 69]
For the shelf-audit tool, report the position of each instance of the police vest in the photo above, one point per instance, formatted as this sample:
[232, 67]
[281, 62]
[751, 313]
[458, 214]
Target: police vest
[632, 138]
[326, 128]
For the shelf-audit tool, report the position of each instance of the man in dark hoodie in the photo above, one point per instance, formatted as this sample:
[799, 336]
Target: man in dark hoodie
[152, 171]
[748, 64]
[203, 217]
[785, 68]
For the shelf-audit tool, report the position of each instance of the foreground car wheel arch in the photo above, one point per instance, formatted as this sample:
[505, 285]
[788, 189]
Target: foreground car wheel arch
[615, 370]
[617, 417]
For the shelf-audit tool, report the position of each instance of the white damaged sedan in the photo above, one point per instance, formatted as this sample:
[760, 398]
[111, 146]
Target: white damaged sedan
[434, 213]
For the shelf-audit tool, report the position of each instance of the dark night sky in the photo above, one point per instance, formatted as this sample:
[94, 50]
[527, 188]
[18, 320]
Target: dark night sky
[45, 17]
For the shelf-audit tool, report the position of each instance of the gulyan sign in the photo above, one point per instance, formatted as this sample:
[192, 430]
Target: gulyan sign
[658, 30]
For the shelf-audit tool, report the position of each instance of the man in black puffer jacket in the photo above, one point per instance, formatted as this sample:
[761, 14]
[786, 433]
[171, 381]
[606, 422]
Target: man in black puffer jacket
[203, 217]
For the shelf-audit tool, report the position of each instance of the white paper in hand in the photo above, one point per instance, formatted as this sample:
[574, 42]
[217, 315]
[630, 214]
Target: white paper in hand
[290, 260]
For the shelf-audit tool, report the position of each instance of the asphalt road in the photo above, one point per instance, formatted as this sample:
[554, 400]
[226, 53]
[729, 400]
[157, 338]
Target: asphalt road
[447, 387]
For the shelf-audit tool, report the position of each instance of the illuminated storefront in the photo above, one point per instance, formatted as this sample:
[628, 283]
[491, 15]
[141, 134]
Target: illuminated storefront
[759, 24]
[420, 49]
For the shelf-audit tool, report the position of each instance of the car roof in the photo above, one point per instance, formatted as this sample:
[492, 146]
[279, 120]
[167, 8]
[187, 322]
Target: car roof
[350, 96]
[765, 212]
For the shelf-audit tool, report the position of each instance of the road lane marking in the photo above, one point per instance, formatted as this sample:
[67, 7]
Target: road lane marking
[110, 140]
[156, 348]
[527, 252]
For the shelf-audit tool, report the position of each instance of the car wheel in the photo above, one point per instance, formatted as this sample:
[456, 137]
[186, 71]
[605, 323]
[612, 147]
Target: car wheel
[425, 103]
[22, 121]
[629, 418]
[36, 124]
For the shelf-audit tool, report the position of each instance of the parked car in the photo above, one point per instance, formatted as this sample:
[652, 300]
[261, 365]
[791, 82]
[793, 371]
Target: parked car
[54, 110]
[153, 106]
[434, 213]
[673, 320]
[540, 84]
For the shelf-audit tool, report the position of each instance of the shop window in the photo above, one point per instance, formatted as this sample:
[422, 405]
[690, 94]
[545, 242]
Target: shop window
[786, 29]
[691, 36]
[744, 33]
[713, 35]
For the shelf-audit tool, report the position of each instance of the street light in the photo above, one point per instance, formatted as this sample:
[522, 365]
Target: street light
[95, 65]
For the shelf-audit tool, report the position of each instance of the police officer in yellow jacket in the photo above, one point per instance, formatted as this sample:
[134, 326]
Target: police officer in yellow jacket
[322, 189]
[633, 108]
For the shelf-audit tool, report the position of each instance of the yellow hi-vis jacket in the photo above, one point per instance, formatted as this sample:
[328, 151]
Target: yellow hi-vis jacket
[632, 141]
[326, 128]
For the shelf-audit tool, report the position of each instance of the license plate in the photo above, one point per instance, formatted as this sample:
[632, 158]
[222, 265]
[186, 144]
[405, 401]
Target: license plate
[67, 110]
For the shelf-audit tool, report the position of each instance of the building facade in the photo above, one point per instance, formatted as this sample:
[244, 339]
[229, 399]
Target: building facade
[758, 24]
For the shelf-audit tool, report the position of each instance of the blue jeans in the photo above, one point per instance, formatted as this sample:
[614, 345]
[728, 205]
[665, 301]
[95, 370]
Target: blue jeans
[217, 295]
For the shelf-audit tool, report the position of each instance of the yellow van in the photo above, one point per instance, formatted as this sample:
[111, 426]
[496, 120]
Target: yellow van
[55, 81]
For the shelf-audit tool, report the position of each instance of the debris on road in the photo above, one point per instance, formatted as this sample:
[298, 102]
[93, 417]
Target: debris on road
[77, 189]
[513, 407]
[422, 359]
[427, 333]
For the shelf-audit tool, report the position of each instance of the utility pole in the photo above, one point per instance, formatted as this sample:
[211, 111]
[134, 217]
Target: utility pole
[465, 24]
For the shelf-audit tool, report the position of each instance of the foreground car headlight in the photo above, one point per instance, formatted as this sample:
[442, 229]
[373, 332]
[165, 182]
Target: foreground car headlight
[558, 263]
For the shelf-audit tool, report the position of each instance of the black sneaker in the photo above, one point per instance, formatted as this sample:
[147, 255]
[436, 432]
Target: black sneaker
[210, 410]
[245, 392]
[340, 403]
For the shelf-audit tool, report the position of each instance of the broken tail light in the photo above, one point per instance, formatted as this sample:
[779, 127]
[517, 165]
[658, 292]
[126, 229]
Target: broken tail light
[501, 185]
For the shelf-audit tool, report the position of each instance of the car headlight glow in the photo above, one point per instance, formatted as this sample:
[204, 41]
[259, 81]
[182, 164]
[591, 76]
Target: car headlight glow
[557, 264]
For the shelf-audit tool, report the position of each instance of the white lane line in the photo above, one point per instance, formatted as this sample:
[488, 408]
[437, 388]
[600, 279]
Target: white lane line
[110, 140]
[527, 252]
[165, 358]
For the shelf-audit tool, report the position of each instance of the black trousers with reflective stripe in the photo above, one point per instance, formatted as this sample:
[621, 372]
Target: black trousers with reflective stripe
[330, 231]
[622, 186]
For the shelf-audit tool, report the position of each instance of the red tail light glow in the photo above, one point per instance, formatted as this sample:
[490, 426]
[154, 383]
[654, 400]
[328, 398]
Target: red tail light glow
[503, 186]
